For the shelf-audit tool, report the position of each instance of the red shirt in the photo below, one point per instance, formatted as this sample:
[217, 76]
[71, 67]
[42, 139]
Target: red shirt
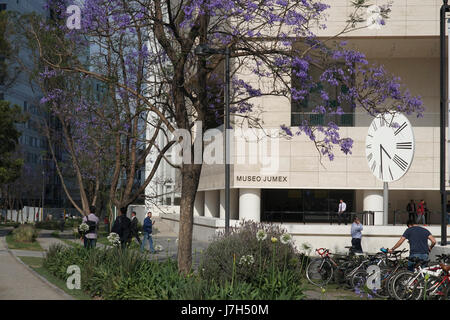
[420, 209]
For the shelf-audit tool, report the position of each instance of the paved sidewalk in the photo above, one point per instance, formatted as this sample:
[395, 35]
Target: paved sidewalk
[46, 239]
[17, 282]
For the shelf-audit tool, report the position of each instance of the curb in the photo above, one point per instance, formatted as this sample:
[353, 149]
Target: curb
[51, 285]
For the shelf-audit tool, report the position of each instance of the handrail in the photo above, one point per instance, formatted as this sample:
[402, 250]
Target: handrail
[329, 215]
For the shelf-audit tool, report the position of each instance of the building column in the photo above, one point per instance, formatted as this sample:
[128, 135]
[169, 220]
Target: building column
[199, 204]
[234, 204]
[212, 203]
[250, 204]
[373, 201]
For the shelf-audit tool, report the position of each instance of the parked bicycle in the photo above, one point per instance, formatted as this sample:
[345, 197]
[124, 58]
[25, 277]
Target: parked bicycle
[426, 280]
[320, 271]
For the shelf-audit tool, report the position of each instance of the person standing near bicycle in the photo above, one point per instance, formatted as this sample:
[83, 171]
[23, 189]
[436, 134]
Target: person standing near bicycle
[355, 231]
[418, 242]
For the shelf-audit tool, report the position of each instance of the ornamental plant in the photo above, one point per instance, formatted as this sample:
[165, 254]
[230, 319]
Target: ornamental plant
[255, 258]
[114, 239]
[83, 227]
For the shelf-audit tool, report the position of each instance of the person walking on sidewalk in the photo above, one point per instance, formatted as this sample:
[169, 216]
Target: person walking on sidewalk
[90, 238]
[122, 227]
[148, 230]
[134, 227]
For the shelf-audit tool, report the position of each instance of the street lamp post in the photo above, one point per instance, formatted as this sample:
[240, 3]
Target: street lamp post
[43, 194]
[205, 50]
[444, 9]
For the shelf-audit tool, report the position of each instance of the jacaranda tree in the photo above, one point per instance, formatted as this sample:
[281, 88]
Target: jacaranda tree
[143, 50]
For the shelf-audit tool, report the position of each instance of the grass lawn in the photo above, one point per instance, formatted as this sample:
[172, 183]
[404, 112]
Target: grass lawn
[15, 245]
[36, 264]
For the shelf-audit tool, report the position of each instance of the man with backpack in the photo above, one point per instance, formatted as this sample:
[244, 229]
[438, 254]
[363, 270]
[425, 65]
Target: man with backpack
[122, 226]
[90, 237]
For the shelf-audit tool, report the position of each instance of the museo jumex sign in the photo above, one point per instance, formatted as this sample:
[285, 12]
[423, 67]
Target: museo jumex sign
[261, 178]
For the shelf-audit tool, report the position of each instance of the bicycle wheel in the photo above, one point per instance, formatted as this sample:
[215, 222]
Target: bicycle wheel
[359, 279]
[403, 285]
[390, 283]
[427, 288]
[385, 274]
[319, 272]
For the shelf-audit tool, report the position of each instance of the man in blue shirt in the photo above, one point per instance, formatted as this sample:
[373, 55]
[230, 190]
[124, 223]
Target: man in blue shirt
[356, 235]
[147, 227]
[418, 242]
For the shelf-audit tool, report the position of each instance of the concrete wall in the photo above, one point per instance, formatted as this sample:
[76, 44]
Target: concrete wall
[407, 18]
[335, 238]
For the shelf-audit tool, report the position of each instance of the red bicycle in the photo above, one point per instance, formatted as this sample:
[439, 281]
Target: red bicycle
[434, 287]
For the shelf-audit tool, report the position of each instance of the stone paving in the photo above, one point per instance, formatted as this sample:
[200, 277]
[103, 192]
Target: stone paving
[18, 282]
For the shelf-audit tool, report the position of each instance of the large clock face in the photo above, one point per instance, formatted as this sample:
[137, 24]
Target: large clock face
[390, 146]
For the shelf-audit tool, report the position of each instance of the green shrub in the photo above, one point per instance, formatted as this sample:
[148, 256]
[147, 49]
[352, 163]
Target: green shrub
[25, 233]
[229, 252]
[115, 274]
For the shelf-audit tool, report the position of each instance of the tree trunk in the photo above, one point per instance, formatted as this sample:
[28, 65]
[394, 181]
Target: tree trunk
[190, 176]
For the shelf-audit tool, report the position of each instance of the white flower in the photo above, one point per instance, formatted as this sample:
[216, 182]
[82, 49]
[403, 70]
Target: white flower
[84, 227]
[261, 235]
[159, 247]
[286, 238]
[114, 239]
[247, 260]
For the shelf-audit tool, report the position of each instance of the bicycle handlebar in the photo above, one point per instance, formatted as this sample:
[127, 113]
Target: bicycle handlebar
[386, 250]
[322, 251]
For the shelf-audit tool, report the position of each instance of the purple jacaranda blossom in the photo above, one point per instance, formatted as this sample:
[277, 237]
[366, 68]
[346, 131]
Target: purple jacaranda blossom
[315, 67]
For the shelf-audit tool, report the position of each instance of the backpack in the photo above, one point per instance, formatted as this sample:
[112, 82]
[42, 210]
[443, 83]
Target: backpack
[116, 228]
[92, 225]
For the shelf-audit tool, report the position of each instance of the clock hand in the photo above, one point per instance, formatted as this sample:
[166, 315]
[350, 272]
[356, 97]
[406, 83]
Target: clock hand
[385, 151]
[381, 160]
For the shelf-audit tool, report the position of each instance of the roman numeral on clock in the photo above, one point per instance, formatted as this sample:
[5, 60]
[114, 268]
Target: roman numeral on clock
[383, 122]
[369, 146]
[374, 126]
[390, 173]
[400, 162]
[369, 157]
[374, 165]
[403, 126]
[404, 145]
